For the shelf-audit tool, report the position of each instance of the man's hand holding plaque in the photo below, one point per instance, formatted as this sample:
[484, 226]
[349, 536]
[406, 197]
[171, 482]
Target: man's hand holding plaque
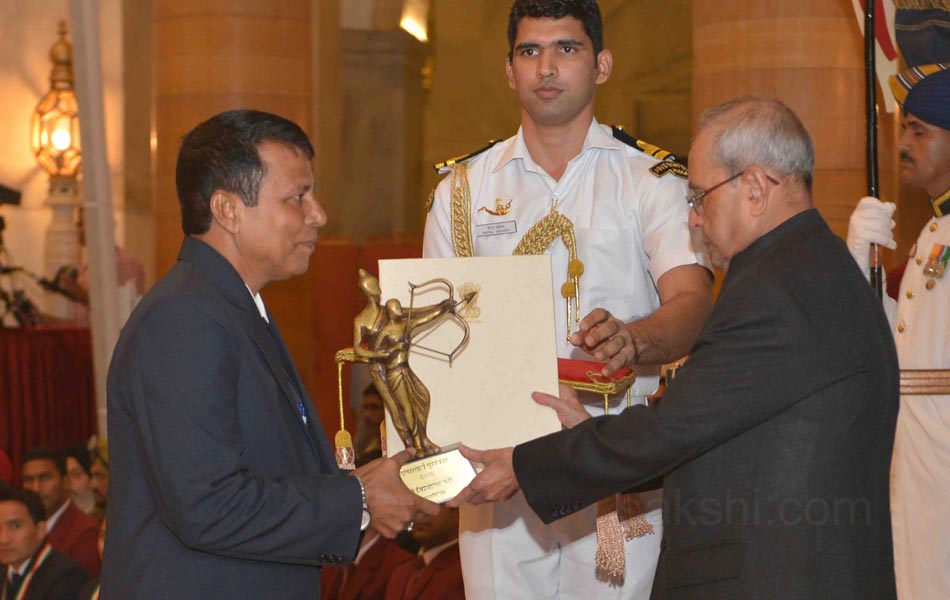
[496, 481]
[389, 502]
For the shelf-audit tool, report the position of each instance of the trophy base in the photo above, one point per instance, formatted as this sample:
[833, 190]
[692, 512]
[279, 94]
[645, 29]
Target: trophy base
[439, 477]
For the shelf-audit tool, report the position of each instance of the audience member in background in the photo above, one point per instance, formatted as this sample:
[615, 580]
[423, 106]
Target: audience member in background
[366, 577]
[35, 571]
[79, 479]
[90, 591]
[436, 574]
[372, 414]
[99, 472]
[70, 530]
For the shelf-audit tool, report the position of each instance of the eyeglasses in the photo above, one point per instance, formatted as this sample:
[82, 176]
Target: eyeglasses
[695, 201]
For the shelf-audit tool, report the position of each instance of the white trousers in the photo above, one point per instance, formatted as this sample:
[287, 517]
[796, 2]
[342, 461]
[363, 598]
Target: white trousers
[920, 498]
[509, 553]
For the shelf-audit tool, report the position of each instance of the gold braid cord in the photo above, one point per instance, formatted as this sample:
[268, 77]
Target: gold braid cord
[345, 454]
[461, 206]
[536, 241]
[539, 238]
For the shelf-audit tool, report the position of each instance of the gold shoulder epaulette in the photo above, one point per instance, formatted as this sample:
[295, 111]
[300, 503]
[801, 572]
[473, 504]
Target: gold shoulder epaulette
[667, 160]
[668, 166]
[445, 166]
[642, 146]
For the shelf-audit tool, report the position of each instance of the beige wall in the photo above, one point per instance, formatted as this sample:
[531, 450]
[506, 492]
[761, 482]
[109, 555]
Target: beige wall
[138, 129]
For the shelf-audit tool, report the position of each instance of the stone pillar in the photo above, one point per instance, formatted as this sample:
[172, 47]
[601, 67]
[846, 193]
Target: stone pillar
[216, 55]
[382, 117]
[327, 107]
[808, 54]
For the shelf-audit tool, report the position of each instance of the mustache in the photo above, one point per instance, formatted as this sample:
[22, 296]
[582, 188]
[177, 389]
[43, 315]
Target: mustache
[906, 157]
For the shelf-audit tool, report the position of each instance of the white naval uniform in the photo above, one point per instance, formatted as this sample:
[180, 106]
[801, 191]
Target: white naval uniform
[631, 228]
[920, 471]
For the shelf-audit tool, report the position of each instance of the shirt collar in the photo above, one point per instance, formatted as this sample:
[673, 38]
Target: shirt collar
[429, 555]
[51, 521]
[596, 137]
[20, 571]
[941, 204]
[26, 563]
[259, 302]
[365, 548]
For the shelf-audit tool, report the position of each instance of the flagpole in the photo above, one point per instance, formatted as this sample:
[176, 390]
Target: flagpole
[870, 87]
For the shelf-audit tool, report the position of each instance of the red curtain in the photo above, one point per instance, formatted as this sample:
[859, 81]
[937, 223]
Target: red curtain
[47, 393]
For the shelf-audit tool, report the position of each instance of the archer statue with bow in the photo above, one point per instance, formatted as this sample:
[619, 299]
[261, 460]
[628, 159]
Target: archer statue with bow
[383, 335]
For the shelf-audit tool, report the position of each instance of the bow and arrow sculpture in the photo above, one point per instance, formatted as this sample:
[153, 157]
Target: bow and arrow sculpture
[383, 336]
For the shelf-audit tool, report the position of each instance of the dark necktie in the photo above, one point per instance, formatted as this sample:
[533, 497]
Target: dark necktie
[14, 586]
[289, 368]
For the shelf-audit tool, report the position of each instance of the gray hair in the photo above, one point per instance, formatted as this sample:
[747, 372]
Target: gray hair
[759, 131]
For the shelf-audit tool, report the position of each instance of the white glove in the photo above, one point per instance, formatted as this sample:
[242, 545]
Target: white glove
[870, 223]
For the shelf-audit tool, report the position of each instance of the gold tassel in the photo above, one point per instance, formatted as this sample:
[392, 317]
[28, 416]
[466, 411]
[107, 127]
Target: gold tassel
[345, 454]
[619, 519]
[610, 557]
[630, 515]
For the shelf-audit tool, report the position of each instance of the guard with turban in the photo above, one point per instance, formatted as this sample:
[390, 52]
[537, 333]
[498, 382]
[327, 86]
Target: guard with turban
[920, 471]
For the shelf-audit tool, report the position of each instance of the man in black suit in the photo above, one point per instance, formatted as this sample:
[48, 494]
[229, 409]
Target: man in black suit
[223, 484]
[34, 570]
[775, 438]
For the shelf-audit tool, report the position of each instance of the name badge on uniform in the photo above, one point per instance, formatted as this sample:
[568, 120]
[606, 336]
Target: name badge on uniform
[505, 227]
[937, 261]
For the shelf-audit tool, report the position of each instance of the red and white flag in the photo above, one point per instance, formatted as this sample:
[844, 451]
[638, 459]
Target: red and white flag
[886, 47]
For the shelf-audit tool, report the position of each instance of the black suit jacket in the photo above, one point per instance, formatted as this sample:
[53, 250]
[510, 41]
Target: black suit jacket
[58, 578]
[218, 489]
[775, 437]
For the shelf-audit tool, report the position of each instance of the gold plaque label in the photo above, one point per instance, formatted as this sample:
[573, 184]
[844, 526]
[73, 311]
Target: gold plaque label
[439, 477]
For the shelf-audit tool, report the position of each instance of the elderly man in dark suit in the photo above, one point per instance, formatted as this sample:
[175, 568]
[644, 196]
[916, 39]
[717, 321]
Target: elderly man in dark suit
[223, 484]
[775, 438]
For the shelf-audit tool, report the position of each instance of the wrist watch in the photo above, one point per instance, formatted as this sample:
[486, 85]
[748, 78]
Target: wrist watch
[366, 516]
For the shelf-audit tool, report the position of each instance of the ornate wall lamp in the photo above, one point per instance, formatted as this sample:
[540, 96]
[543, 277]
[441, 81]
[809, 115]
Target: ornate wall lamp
[55, 143]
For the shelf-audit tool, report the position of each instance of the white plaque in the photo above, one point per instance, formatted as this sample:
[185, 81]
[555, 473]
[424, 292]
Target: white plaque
[483, 399]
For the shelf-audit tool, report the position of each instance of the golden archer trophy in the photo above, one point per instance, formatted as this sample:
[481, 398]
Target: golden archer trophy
[383, 336]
